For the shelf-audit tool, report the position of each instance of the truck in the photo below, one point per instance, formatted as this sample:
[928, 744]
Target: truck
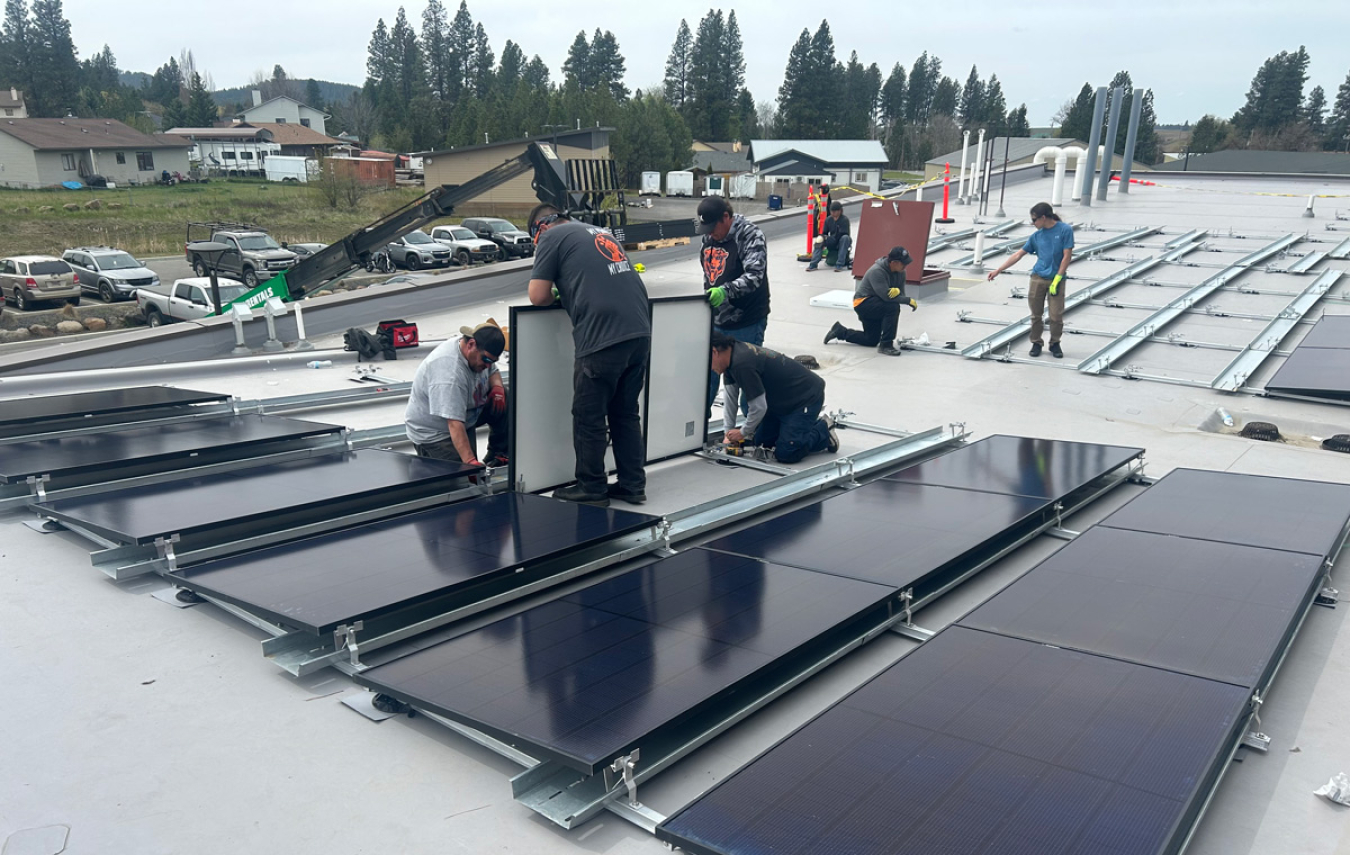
[651, 184]
[251, 255]
[680, 184]
[289, 169]
[185, 300]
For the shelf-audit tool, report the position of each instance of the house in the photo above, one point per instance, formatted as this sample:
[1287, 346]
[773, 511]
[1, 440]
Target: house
[47, 152]
[854, 163]
[283, 110]
[233, 150]
[12, 105]
[1020, 151]
[295, 140]
[1268, 162]
[725, 147]
[516, 197]
[707, 163]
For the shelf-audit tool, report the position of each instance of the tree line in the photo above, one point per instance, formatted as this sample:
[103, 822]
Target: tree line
[1277, 115]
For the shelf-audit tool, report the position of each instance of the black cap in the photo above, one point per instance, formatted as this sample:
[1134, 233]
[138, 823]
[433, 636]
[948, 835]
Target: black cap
[710, 212]
[900, 254]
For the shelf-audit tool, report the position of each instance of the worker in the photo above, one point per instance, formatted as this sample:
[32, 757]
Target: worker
[585, 268]
[455, 391]
[877, 300]
[1052, 244]
[834, 235]
[735, 263]
[785, 399]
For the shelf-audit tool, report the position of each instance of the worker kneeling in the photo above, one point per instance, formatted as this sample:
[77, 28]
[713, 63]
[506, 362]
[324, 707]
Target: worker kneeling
[785, 400]
[877, 301]
[456, 390]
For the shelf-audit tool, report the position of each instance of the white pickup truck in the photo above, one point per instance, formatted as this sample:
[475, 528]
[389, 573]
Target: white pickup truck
[184, 300]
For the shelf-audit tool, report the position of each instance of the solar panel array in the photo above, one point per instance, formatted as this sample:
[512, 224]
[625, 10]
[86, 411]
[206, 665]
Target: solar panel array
[1088, 707]
[1320, 366]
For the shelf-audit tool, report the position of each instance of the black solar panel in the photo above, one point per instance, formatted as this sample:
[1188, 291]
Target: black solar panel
[977, 743]
[127, 446]
[1019, 465]
[1317, 372]
[1253, 510]
[140, 514]
[1201, 607]
[321, 582]
[886, 532]
[584, 679]
[1331, 331]
[28, 411]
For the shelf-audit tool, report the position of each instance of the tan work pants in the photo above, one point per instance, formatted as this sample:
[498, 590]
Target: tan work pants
[1036, 298]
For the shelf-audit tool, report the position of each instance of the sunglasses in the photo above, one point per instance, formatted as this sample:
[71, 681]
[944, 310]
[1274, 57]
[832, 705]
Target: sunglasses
[487, 357]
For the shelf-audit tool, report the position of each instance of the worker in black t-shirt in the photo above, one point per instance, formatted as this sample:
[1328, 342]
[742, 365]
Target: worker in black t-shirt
[585, 268]
[785, 399]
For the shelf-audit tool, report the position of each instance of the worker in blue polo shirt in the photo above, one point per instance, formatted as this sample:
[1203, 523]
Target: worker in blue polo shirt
[1052, 244]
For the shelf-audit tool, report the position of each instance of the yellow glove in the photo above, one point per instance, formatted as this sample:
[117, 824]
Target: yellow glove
[913, 305]
[893, 293]
[1054, 284]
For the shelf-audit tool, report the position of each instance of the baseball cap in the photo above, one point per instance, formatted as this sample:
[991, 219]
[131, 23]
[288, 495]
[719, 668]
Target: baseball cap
[710, 213]
[900, 254]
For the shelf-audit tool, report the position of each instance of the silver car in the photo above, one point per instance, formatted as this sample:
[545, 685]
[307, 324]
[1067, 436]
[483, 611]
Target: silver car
[27, 279]
[416, 250]
[110, 273]
[466, 246]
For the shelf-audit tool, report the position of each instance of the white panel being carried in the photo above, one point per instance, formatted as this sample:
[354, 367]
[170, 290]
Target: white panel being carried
[677, 376]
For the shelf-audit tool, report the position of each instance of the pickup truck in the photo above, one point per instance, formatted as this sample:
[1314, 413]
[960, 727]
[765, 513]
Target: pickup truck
[185, 300]
[252, 256]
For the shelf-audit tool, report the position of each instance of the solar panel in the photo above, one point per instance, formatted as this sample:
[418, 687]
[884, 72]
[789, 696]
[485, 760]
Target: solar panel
[1020, 465]
[584, 679]
[978, 743]
[1332, 331]
[1253, 510]
[1205, 608]
[361, 573]
[1318, 372]
[28, 411]
[327, 485]
[886, 532]
[122, 447]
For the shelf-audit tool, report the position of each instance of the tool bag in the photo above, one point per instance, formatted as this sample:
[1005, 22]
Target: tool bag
[401, 333]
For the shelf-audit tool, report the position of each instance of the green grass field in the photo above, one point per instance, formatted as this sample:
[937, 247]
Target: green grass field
[153, 220]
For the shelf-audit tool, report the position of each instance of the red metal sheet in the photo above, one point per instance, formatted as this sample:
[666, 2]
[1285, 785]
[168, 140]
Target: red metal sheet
[887, 223]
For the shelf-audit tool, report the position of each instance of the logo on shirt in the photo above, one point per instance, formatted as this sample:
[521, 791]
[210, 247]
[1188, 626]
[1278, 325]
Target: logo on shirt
[714, 263]
[609, 248]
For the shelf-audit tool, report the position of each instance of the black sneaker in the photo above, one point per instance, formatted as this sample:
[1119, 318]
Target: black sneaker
[617, 492]
[575, 493]
[888, 348]
[838, 331]
[832, 445]
[1036, 348]
[1055, 351]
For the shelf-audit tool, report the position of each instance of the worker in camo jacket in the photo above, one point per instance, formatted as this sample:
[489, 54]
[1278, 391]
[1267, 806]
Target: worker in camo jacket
[735, 263]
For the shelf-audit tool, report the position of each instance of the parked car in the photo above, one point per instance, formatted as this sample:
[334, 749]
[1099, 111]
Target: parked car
[109, 273]
[466, 246]
[416, 249]
[28, 279]
[304, 250]
[188, 299]
[511, 241]
[252, 256]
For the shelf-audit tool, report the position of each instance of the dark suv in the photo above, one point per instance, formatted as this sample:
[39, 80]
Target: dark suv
[510, 240]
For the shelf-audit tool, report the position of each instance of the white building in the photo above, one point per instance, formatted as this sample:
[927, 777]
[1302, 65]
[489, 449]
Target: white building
[282, 110]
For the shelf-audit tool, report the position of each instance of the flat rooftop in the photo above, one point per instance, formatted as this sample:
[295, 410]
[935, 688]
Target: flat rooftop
[144, 728]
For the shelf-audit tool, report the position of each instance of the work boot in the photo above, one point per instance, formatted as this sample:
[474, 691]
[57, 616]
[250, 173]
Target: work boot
[1055, 350]
[832, 445]
[575, 493]
[838, 331]
[617, 492]
[1035, 348]
[888, 348]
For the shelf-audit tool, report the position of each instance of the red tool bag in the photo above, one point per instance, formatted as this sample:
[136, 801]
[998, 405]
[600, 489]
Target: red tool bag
[401, 333]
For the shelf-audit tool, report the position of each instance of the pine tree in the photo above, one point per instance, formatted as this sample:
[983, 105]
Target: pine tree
[972, 100]
[483, 62]
[1338, 126]
[607, 64]
[536, 74]
[407, 59]
[441, 73]
[945, 98]
[175, 115]
[313, 94]
[747, 117]
[15, 68]
[379, 57]
[1275, 98]
[893, 95]
[577, 66]
[1018, 126]
[824, 84]
[201, 108]
[995, 107]
[1315, 111]
[460, 48]
[1077, 124]
[678, 67]
[54, 87]
[1209, 134]
[794, 109]
[733, 69]
[707, 111]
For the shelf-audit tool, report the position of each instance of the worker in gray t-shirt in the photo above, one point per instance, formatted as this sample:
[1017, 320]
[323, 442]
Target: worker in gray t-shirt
[585, 268]
[456, 390]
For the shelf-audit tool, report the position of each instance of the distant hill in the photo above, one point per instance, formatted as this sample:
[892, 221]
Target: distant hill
[333, 93]
[133, 78]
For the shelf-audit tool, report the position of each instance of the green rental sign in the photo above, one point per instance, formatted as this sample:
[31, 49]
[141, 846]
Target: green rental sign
[274, 287]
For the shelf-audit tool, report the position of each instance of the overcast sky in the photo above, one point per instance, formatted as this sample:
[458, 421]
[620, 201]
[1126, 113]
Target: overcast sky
[1198, 56]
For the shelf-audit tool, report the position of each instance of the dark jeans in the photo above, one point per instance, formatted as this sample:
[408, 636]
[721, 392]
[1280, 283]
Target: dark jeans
[796, 434]
[879, 321]
[605, 388]
[753, 334]
[841, 255]
[499, 438]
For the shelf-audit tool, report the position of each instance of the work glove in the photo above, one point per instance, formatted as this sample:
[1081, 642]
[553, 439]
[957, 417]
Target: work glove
[557, 298]
[1054, 285]
[913, 305]
[497, 400]
[893, 293]
[717, 296]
